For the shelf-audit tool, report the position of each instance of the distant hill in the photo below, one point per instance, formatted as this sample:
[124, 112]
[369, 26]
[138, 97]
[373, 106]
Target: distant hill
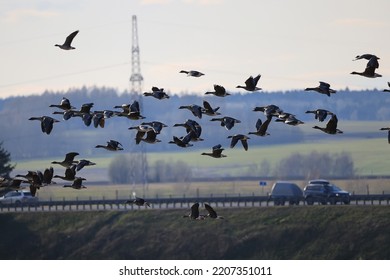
[285, 233]
[24, 140]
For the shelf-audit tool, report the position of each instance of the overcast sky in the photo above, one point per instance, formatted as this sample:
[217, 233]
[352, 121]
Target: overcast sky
[292, 44]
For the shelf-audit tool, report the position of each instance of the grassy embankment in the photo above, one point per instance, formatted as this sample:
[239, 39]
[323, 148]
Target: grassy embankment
[318, 232]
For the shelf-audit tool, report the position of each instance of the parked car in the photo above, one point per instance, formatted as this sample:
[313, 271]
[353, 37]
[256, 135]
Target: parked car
[322, 191]
[283, 191]
[18, 198]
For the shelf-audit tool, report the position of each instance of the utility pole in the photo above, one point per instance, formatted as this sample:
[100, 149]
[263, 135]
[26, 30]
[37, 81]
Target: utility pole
[136, 80]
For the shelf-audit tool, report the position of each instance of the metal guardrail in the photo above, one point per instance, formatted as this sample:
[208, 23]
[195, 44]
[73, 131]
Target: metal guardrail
[172, 203]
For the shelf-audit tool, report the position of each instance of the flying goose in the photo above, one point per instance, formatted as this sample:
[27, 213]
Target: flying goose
[192, 73]
[194, 214]
[156, 126]
[151, 137]
[196, 110]
[212, 213]
[323, 88]
[227, 122]
[48, 176]
[269, 110]
[183, 142]
[84, 162]
[218, 91]
[216, 152]
[289, 119]
[138, 201]
[70, 174]
[388, 134]
[112, 145]
[77, 184]
[208, 110]
[236, 137]
[193, 128]
[369, 71]
[261, 128]
[320, 114]
[157, 93]
[46, 123]
[331, 126]
[68, 161]
[387, 90]
[251, 83]
[68, 42]
[365, 56]
[64, 104]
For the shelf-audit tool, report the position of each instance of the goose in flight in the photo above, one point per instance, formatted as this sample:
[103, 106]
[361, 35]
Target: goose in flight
[212, 213]
[112, 145]
[77, 184]
[369, 72]
[387, 90]
[64, 105]
[46, 123]
[331, 126]
[193, 128]
[196, 110]
[157, 93]
[138, 201]
[84, 162]
[151, 137]
[219, 91]
[239, 137]
[183, 142]
[251, 83]
[269, 110]
[320, 114]
[208, 110]
[194, 214]
[156, 126]
[261, 127]
[227, 122]
[216, 152]
[70, 174]
[67, 45]
[323, 88]
[365, 56]
[289, 119]
[68, 161]
[388, 133]
[192, 73]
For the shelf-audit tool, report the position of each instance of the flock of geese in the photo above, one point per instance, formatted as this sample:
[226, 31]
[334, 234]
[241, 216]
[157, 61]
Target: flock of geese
[148, 131]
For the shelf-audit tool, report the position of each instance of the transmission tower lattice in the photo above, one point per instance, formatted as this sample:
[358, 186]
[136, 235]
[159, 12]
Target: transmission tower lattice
[136, 78]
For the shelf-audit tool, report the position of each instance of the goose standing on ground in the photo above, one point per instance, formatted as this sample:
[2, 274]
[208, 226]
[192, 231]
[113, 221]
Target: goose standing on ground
[192, 73]
[251, 83]
[112, 145]
[388, 133]
[227, 122]
[212, 213]
[46, 123]
[331, 126]
[219, 91]
[261, 128]
[68, 161]
[372, 64]
[157, 93]
[208, 110]
[239, 137]
[320, 114]
[323, 88]
[67, 45]
[216, 152]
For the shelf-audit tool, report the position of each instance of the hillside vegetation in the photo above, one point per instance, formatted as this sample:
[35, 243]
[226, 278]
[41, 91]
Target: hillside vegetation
[318, 232]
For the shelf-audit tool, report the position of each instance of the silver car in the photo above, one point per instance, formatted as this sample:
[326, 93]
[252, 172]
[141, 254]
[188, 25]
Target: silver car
[18, 198]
